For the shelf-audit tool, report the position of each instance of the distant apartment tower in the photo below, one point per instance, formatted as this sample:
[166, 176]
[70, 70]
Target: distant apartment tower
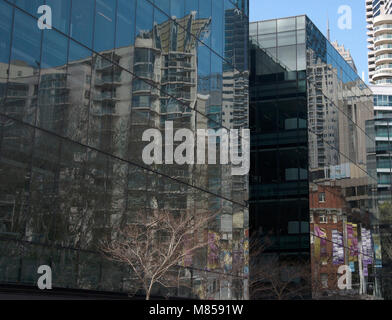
[379, 25]
[379, 20]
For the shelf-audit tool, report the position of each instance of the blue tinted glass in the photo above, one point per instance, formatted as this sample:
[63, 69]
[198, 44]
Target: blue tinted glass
[218, 26]
[5, 30]
[27, 40]
[54, 49]
[164, 5]
[144, 17]
[77, 52]
[82, 21]
[160, 17]
[105, 20]
[177, 8]
[125, 23]
[31, 6]
[60, 14]
[192, 5]
[205, 13]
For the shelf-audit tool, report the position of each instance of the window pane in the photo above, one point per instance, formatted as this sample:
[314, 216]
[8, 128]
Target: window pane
[125, 23]
[53, 97]
[164, 5]
[267, 40]
[301, 22]
[253, 29]
[25, 62]
[267, 27]
[31, 6]
[54, 49]
[218, 27]
[82, 22]
[288, 56]
[144, 17]
[60, 14]
[5, 40]
[177, 8]
[286, 24]
[79, 83]
[104, 25]
[286, 38]
[5, 30]
[301, 34]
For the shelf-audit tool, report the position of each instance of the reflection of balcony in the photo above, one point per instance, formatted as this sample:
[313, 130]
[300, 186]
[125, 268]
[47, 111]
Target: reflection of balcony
[182, 95]
[178, 64]
[171, 79]
[151, 91]
[148, 75]
[17, 94]
[107, 81]
[103, 64]
[105, 96]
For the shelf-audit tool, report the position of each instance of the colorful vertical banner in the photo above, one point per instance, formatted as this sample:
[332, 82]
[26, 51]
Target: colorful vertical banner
[188, 258]
[337, 248]
[377, 250]
[352, 242]
[320, 241]
[367, 250]
[213, 251]
[246, 251]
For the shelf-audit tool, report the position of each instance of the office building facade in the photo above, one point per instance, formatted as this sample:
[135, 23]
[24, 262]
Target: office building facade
[74, 103]
[379, 19]
[313, 177]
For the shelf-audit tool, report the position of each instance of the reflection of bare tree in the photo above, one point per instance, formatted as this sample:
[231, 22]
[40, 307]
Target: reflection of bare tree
[273, 277]
[323, 283]
[154, 245]
[385, 210]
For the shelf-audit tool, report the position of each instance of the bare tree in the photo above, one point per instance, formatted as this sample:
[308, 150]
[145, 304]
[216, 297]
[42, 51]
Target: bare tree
[154, 245]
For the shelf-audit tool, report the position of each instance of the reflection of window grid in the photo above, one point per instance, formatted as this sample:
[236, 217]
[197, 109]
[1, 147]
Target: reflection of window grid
[323, 219]
[324, 280]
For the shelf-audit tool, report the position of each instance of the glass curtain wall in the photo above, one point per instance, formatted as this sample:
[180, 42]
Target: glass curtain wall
[74, 103]
[313, 175]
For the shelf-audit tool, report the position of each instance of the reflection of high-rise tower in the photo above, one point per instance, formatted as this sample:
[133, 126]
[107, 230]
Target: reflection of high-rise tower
[345, 53]
[310, 166]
